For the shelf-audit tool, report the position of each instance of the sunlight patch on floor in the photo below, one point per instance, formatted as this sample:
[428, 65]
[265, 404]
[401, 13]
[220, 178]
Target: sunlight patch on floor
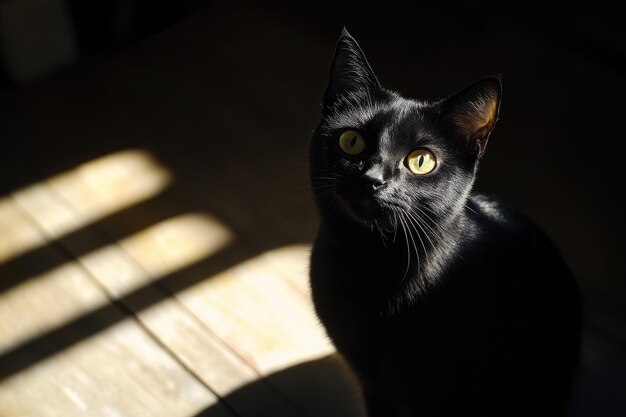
[78, 197]
[45, 302]
[228, 329]
[261, 315]
[211, 360]
[49, 300]
[108, 184]
[259, 321]
[156, 251]
[118, 372]
[17, 232]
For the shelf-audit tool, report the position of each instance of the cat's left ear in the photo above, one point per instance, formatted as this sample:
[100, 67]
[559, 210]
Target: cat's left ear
[349, 71]
[473, 111]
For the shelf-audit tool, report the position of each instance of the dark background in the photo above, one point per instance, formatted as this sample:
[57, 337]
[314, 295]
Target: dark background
[227, 93]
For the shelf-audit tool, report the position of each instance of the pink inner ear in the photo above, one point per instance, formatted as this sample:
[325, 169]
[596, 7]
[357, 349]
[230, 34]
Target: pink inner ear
[476, 118]
[483, 125]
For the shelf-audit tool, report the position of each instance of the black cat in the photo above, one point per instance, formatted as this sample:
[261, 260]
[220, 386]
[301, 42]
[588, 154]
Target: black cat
[444, 302]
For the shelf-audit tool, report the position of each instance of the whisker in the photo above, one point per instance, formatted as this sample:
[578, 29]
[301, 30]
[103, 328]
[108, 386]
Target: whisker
[395, 225]
[471, 209]
[408, 235]
[413, 242]
[442, 232]
[413, 222]
[324, 178]
[420, 223]
[325, 186]
[430, 235]
[382, 235]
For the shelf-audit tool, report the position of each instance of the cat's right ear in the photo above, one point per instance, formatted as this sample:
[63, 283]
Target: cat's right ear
[473, 111]
[349, 71]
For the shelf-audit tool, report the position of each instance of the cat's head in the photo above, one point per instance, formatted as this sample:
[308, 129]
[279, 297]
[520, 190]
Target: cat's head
[376, 154]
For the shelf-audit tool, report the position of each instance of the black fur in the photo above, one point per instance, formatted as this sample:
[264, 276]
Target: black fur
[445, 303]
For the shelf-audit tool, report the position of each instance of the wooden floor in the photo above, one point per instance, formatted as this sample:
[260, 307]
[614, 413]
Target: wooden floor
[139, 280]
[160, 322]
[155, 223]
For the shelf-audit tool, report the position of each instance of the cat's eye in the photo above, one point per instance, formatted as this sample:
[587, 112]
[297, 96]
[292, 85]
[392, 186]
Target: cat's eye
[351, 142]
[421, 161]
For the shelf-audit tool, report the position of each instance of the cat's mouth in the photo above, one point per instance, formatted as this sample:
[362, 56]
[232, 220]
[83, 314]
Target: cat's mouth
[364, 210]
[364, 207]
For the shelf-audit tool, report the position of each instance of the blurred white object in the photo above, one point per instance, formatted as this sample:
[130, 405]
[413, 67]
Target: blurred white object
[37, 38]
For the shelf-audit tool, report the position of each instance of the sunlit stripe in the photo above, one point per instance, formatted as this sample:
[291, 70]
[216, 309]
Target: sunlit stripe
[47, 301]
[17, 233]
[267, 319]
[120, 371]
[260, 308]
[107, 184]
[211, 360]
[76, 198]
[156, 251]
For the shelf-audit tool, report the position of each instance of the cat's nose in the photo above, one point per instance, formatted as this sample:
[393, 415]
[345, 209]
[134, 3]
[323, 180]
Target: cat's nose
[374, 177]
[374, 181]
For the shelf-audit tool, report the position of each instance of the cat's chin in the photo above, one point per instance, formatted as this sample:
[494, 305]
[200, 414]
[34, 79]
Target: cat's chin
[364, 211]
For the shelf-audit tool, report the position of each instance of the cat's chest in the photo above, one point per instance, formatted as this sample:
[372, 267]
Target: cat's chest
[352, 293]
[352, 281]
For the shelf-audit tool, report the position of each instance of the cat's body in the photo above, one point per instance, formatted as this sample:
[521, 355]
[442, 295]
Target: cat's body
[494, 336]
[444, 303]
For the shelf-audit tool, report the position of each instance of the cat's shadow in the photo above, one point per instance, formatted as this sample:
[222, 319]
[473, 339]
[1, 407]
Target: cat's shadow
[326, 388]
[318, 388]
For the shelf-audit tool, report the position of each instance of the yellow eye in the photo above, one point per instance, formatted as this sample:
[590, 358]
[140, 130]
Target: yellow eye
[421, 161]
[351, 142]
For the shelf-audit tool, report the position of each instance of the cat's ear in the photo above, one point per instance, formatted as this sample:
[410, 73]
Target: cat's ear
[473, 111]
[349, 71]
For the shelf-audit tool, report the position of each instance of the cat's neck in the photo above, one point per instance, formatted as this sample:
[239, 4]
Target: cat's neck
[413, 258]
